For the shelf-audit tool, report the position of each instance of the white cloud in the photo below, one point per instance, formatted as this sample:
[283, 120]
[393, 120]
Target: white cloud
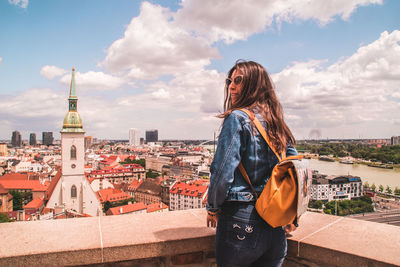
[154, 44]
[94, 80]
[20, 3]
[161, 93]
[233, 20]
[358, 91]
[50, 72]
[33, 103]
[354, 96]
[87, 80]
[160, 41]
[352, 93]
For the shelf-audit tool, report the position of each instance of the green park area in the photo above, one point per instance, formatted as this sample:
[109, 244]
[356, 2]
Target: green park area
[384, 154]
[344, 207]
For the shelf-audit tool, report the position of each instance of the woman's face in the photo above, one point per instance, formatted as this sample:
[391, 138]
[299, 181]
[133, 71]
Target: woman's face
[236, 85]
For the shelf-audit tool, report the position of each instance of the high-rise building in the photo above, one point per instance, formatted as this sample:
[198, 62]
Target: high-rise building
[47, 138]
[32, 139]
[72, 191]
[151, 136]
[395, 140]
[16, 140]
[134, 139]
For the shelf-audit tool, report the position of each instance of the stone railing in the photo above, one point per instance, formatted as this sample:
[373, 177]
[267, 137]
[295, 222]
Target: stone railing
[180, 238]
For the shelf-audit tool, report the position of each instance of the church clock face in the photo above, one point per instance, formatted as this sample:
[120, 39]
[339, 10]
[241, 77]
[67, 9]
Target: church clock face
[73, 166]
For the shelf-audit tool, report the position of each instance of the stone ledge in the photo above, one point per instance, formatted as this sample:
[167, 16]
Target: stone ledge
[99, 240]
[168, 239]
[341, 241]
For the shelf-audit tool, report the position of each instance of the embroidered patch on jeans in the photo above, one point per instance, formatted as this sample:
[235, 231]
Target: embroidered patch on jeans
[236, 226]
[249, 229]
[240, 238]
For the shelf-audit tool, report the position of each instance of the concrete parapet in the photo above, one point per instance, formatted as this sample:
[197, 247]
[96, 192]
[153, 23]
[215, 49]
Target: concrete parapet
[180, 238]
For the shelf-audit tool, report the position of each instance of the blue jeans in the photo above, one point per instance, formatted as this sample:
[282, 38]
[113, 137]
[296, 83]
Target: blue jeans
[243, 238]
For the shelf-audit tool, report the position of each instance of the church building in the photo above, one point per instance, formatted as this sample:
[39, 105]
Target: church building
[71, 191]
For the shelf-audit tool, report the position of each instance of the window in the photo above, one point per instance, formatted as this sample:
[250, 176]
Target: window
[73, 191]
[73, 152]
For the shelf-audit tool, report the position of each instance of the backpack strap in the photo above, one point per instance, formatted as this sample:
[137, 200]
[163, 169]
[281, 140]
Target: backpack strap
[246, 177]
[262, 131]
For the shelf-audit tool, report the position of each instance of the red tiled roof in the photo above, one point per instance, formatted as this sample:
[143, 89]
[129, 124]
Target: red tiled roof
[14, 176]
[194, 190]
[53, 184]
[156, 207]
[33, 185]
[34, 204]
[134, 185]
[3, 190]
[127, 208]
[111, 195]
[120, 169]
[106, 168]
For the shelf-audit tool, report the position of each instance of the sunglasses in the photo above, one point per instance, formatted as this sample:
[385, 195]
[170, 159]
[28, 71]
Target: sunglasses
[237, 80]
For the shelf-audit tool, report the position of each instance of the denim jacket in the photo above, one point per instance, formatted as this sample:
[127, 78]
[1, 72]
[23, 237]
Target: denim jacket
[239, 141]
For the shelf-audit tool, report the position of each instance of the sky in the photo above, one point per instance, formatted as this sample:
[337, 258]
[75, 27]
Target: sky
[162, 64]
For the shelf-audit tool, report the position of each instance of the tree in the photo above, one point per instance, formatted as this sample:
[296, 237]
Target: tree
[366, 199]
[397, 191]
[373, 187]
[151, 174]
[141, 162]
[17, 199]
[316, 204]
[4, 218]
[388, 190]
[381, 188]
[107, 206]
[328, 211]
[366, 185]
[346, 207]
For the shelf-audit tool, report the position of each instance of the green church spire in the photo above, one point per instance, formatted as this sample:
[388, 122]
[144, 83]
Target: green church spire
[72, 90]
[72, 121]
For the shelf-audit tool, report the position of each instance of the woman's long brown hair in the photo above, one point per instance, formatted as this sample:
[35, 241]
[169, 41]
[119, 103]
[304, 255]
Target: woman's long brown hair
[258, 92]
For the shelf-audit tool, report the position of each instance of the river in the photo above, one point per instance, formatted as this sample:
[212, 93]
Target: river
[367, 174]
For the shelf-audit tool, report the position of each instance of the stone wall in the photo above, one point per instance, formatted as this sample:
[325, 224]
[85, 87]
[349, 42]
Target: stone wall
[180, 238]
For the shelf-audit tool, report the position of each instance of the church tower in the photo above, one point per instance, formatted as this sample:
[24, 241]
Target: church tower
[72, 136]
[73, 192]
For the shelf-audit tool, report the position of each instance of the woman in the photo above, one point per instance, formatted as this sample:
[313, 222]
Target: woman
[243, 238]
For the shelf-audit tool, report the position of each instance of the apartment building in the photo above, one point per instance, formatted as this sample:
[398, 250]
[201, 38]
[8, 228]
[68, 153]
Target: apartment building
[126, 173]
[188, 195]
[336, 187]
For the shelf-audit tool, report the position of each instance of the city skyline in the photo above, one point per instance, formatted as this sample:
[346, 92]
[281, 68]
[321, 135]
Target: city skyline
[157, 65]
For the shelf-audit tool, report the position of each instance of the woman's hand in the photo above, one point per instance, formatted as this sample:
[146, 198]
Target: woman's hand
[212, 219]
[289, 228]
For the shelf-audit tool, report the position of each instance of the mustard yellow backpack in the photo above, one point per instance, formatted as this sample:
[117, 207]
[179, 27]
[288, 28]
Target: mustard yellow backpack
[286, 194]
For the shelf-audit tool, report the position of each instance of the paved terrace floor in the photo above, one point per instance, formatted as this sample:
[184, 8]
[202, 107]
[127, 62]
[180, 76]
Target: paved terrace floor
[180, 238]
